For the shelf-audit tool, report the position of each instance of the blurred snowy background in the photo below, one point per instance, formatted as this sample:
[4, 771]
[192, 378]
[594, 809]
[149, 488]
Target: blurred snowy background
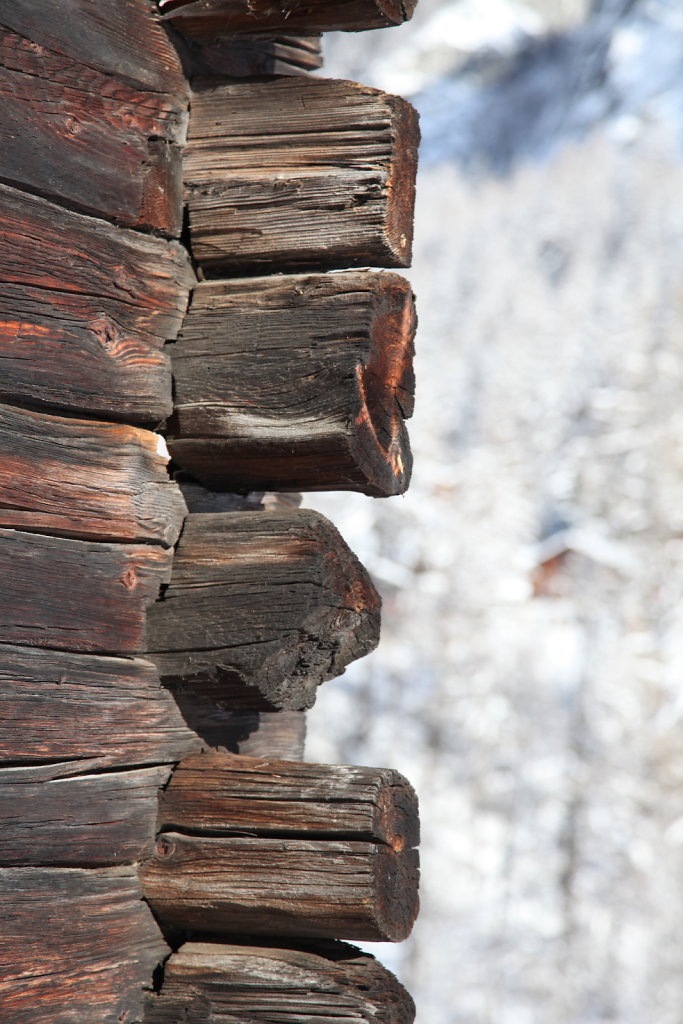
[530, 677]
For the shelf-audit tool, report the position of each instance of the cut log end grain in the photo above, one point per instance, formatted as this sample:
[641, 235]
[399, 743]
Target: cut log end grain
[282, 887]
[205, 18]
[262, 607]
[217, 793]
[300, 381]
[300, 173]
[210, 980]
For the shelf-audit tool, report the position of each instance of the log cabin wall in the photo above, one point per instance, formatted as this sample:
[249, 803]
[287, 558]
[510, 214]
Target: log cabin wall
[174, 188]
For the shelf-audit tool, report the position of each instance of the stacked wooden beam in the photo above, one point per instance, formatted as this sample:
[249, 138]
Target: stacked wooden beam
[162, 633]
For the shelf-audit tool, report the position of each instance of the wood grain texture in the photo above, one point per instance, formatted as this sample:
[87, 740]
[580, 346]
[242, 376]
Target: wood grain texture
[84, 479]
[218, 794]
[298, 382]
[209, 17]
[282, 887]
[245, 56]
[86, 139]
[56, 706]
[122, 39]
[76, 946]
[330, 983]
[54, 816]
[262, 607]
[300, 173]
[76, 595]
[85, 309]
[254, 733]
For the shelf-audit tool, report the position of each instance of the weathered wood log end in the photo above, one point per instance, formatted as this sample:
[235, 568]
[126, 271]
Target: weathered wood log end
[293, 887]
[297, 382]
[262, 607]
[206, 18]
[218, 793]
[331, 983]
[299, 173]
[330, 852]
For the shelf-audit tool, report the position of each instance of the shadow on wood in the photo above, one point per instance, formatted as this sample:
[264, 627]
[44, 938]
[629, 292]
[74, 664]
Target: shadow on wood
[78, 706]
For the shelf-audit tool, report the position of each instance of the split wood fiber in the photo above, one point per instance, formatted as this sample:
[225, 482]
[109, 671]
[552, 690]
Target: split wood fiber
[218, 794]
[261, 609]
[84, 479]
[61, 816]
[324, 888]
[76, 946]
[85, 310]
[243, 57]
[114, 149]
[300, 173]
[328, 983]
[57, 706]
[205, 18]
[75, 595]
[296, 382]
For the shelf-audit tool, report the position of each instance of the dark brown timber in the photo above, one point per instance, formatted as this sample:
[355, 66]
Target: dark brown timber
[329, 983]
[56, 706]
[221, 794]
[300, 173]
[122, 39]
[293, 887]
[243, 57]
[262, 607]
[296, 382]
[87, 139]
[80, 478]
[85, 309]
[210, 17]
[61, 816]
[76, 595]
[76, 946]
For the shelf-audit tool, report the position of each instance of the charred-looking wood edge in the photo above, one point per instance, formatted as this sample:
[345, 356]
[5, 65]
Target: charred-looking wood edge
[341, 156]
[296, 381]
[261, 608]
[206, 18]
[229, 982]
